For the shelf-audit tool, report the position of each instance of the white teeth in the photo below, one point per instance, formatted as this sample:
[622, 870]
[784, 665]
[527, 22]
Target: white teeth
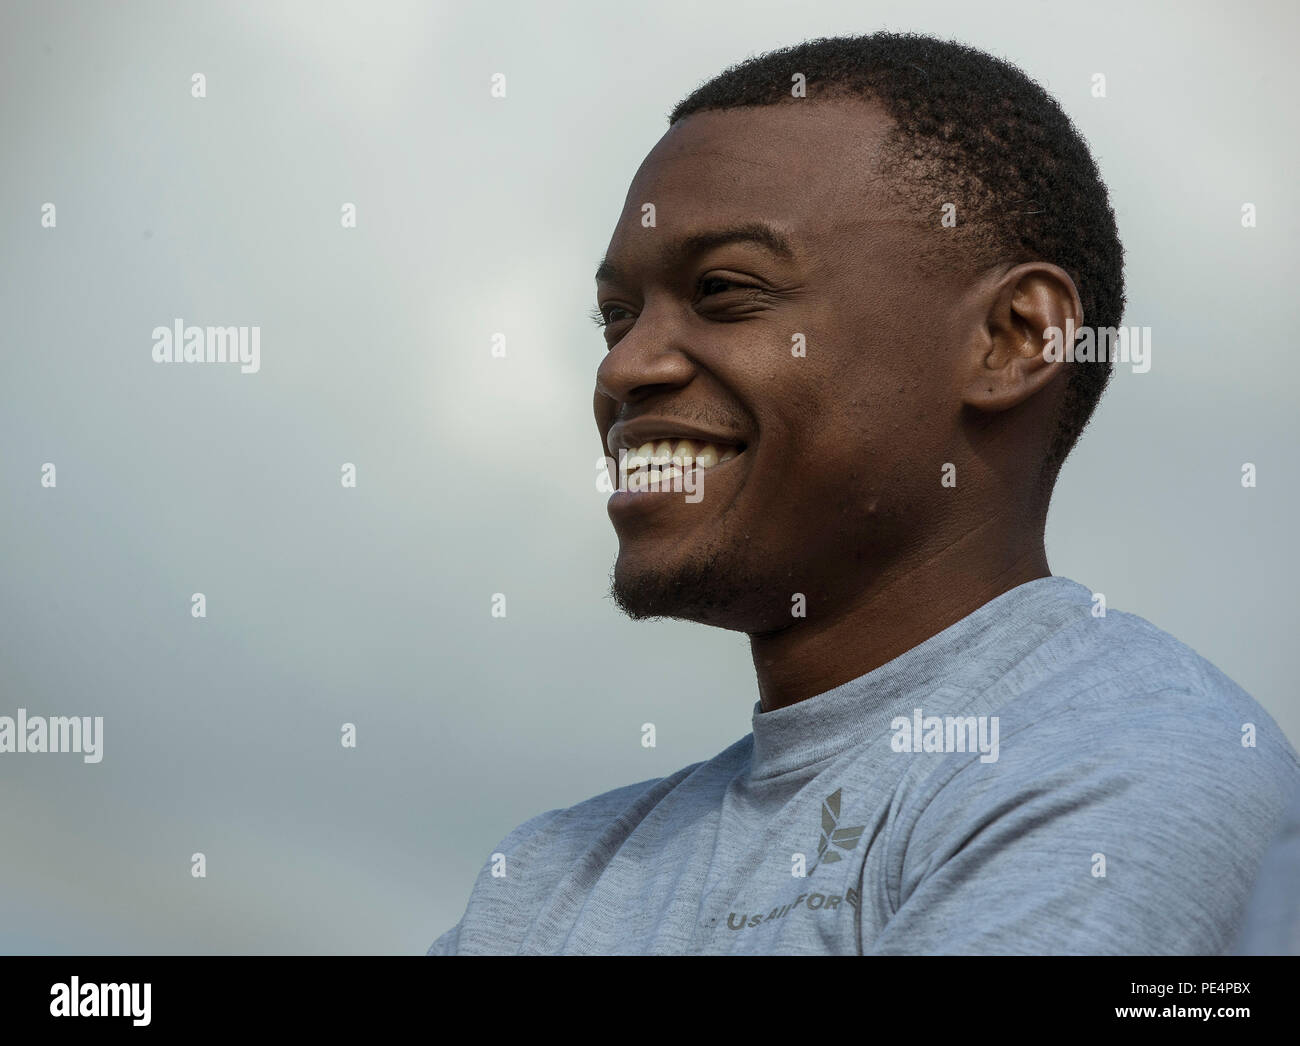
[664, 460]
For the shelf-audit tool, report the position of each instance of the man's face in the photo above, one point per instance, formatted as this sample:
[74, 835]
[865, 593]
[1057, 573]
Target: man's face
[825, 372]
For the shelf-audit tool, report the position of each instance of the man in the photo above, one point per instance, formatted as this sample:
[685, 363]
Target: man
[828, 305]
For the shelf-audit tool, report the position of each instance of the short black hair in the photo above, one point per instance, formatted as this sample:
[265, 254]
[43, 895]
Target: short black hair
[973, 130]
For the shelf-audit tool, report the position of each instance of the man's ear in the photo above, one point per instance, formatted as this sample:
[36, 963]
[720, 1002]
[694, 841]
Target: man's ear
[1022, 307]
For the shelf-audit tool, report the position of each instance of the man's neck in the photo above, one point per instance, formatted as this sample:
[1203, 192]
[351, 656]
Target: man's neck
[890, 618]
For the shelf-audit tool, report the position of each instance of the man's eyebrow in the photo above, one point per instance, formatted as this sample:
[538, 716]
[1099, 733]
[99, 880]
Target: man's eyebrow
[761, 233]
[754, 232]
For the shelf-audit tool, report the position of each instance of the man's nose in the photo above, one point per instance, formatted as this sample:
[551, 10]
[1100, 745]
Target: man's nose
[649, 358]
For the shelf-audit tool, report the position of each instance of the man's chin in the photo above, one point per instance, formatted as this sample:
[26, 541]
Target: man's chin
[700, 589]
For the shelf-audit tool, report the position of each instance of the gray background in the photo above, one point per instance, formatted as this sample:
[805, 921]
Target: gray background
[371, 605]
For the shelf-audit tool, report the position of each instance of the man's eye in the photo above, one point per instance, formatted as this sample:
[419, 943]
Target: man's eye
[603, 316]
[738, 299]
[715, 285]
[707, 286]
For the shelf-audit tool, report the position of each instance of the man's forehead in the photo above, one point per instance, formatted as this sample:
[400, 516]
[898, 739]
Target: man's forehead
[769, 145]
[784, 167]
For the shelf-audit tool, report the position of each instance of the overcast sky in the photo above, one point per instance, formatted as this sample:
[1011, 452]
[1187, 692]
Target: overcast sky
[371, 605]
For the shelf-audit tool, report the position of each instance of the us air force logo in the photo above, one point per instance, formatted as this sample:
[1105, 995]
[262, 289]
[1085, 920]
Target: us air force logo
[834, 839]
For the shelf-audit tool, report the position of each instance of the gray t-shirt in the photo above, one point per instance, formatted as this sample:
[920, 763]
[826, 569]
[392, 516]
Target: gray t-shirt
[1036, 779]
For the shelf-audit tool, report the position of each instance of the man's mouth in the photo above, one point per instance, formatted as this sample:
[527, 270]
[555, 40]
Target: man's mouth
[660, 461]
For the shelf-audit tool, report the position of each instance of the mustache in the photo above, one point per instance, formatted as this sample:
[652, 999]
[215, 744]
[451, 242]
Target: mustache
[706, 417]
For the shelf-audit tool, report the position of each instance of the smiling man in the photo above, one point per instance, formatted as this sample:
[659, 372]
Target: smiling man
[827, 303]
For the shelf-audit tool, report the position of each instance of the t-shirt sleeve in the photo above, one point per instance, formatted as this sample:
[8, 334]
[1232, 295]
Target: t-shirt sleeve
[1132, 829]
[449, 942]
[446, 944]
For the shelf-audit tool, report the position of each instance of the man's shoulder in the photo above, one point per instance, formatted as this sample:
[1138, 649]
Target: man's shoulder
[1131, 737]
[1125, 672]
[598, 809]
[1123, 748]
[1124, 719]
[525, 866]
